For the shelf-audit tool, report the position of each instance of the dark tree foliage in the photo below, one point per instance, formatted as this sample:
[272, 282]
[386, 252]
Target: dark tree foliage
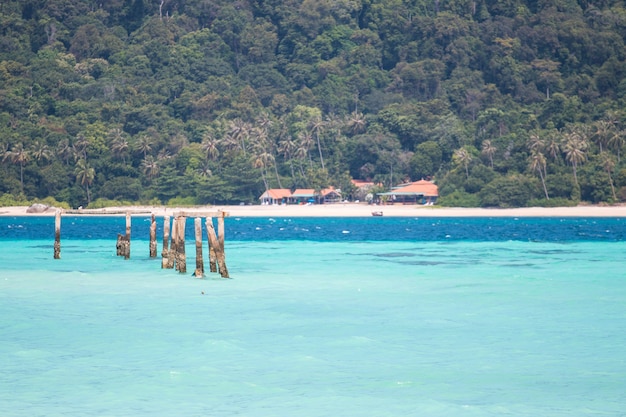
[211, 101]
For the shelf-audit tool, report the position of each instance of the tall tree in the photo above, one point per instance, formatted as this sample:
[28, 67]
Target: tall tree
[85, 175]
[537, 162]
[18, 156]
[575, 147]
[489, 151]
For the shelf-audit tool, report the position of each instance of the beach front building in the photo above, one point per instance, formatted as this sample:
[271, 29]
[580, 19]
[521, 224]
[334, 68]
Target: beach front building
[418, 192]
[300, 196]
[275, 196]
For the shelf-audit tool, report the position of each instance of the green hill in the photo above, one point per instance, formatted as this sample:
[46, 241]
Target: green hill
[501, 103]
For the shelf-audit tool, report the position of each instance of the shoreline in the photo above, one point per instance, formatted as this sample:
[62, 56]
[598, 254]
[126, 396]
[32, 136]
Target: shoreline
[338, 210]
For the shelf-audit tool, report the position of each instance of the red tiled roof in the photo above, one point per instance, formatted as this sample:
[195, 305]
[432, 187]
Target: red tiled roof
[424, 187]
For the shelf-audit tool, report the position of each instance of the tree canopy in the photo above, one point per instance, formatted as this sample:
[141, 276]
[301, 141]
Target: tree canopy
[213, 101]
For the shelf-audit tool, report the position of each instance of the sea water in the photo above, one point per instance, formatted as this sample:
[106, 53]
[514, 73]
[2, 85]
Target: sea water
[322, 317]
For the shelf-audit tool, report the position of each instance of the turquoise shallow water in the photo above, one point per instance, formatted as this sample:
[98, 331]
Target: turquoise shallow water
[317, 327]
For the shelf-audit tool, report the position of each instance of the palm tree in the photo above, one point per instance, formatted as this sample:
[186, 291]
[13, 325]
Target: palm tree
[305, 140]
[119, 144]
[204, 170]
[608, 164]
[356, 123]
[239, 132]
[209, 146]
[617, 142]
[287, 147]
[537, 162]
[65, 151]
[553, 147]
[80, 146]
[535, 142]
[463, 157]
[574, 147]
[144, 144]
[150, 167]
[85, 174]
[317, 126]
[19, 156]
[40, 151]
[489, 150]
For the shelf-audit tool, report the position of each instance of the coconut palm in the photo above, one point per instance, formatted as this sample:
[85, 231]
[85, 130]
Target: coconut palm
[209, 146]
[462, 157]
[18, 156]
[287, 148]
[150, 167]
[608, 164]
[144, 144]
[617, 142]
[356, 123]
[65, 151]
[537, 162]
[41, 151]
[575, 146]
[535, 142]
[553, 146]
[239, 133]
[489, 150]
[85, 175]
[119, 144]
[80, 146]
[317, 126]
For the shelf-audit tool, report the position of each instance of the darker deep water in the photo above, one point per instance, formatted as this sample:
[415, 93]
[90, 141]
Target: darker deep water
[336, 229]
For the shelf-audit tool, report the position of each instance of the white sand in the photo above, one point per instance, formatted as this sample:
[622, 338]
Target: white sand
[346, 210]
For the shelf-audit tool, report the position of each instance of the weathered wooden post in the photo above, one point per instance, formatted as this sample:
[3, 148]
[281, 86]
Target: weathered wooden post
[153, 242]
[171, 255]
[221, 255]
[199, 261]
[166, 237]
[128, 226]
[123, 241]
[215, 244]
[57, 234]
[211, 234]
[181, 258]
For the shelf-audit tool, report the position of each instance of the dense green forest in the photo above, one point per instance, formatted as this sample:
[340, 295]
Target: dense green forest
[501, 102]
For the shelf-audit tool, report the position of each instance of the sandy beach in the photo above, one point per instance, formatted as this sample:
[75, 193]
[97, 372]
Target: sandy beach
[341, 210]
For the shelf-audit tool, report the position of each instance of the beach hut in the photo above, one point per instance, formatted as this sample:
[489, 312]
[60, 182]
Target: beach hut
[275, 196]
[423, 192]
[309, 196]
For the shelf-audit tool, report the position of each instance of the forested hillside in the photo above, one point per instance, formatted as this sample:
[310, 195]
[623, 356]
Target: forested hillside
[500, 102]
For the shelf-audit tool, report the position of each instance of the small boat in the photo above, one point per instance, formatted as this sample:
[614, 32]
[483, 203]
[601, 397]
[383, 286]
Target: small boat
[377, 213]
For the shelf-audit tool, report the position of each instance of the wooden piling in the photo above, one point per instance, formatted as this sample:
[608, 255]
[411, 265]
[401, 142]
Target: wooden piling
[221, 255]
[181, 258]
[214, 242]
[166, 238]
[128, 227]
[171, 255]
[153, 242]
[199, 261]
[210, 231]
[57, 234]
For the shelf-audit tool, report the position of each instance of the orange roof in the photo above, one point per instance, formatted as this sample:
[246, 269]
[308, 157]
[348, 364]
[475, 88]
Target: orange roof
[424, 187]
[277, 193]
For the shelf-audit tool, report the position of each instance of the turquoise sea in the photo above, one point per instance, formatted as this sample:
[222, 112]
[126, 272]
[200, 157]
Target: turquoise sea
[322, 317]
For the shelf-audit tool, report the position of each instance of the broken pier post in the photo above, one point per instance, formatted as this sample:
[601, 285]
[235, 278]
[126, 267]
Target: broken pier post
[153, 242]
[166, 238]
[181, 258]
[199, 261]
[57, 234]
